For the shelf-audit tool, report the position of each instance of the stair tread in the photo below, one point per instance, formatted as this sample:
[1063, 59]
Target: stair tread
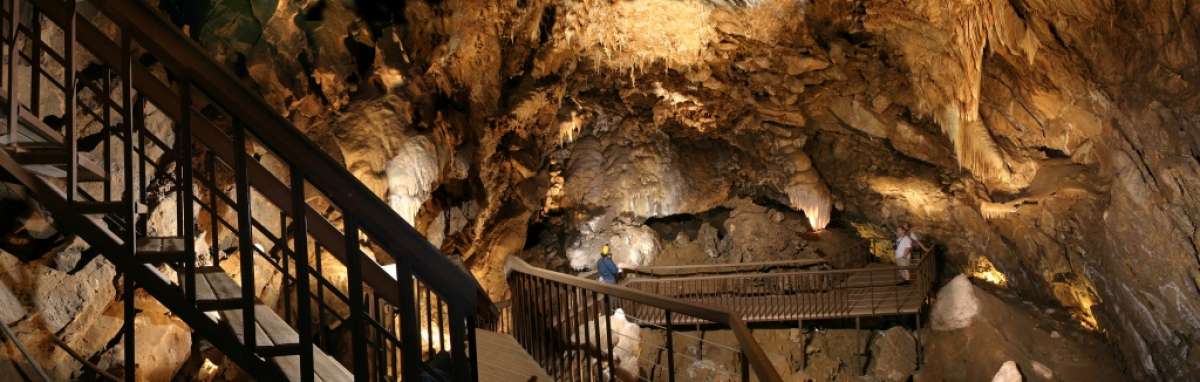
[215, 290]
[173, 244]
[270, 329]
[46, 157]
[96, 207]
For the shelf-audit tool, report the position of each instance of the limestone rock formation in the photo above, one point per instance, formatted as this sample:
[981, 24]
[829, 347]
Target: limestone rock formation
[956, 305]
[1046, 146]
[893, 355]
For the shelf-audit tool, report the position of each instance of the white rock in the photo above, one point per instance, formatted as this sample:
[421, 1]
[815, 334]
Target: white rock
[1043, 370]
[411, 176]
[956, 305]
[1008, 373]
[1055, 335]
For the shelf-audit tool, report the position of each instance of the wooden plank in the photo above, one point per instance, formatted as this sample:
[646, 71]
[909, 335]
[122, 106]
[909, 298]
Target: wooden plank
[279, 331]
[234, 320]
[204, 291]
[223, 285]
[329, 369]
[502, 359]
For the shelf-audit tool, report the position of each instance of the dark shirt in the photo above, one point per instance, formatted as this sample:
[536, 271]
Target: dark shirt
[608, 269]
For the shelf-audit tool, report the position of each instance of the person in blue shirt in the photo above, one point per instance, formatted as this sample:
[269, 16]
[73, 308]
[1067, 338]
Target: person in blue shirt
[607, 269]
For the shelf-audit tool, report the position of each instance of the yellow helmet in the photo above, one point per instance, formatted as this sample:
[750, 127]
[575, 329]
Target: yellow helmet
[604, 250]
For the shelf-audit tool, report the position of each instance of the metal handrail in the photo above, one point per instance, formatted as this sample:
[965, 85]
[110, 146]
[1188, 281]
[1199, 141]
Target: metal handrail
[658, 270]
[774, 296]
[891, 268]
[386, 228]
[753, 353]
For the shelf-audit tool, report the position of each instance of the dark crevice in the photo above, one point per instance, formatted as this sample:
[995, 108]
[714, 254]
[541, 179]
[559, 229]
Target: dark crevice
[1053, 153]
[669, 227]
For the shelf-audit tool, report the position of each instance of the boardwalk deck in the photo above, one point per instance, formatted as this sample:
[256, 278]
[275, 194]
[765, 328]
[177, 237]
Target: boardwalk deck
[502, 359]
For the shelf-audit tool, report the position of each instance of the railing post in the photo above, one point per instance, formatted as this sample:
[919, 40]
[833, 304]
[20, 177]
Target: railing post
[458, 351]
[14, 58]
[71, 89]
[245, 235]
[670, 348]
[300, 251]
[130, 198]
[410, 330]
[358, 335]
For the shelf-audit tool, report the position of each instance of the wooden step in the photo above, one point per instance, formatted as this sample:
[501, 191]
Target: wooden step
[158, 250]
[503, 359]
[44, 158]
[276, 340]
[215, 290]
[105, 208]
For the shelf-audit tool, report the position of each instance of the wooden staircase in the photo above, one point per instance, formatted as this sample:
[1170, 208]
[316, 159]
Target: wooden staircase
[220, 129]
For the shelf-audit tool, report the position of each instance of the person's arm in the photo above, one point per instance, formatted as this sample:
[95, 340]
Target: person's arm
[920, 243]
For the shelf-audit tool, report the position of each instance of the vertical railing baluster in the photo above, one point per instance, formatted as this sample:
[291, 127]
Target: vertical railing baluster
[300, 251]
[14, 24]
[441, 307]
[358, 342]
[670, 347]
[210, 166]
[281, 246]
[35, 62]
[130, 198]
[139, 122]
[429, 321]
[245, 234]
[596, 316]
[410, 330]
[608, 311]
[380, 368]
[560, 361]
[458, 344]
[188, 224]
[576, 337]
[108, 131]
[472, 351]
[320, 295]
[546, 319]
[71, 96]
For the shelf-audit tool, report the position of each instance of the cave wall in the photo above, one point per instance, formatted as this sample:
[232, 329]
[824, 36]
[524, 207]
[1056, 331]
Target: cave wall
[1050, 146]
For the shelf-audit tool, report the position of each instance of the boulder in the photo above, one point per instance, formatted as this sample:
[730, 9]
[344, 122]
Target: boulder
[894, 355]
[1008, 373]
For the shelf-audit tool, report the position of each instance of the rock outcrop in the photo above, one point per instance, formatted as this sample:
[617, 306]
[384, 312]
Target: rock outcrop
[1056, 140]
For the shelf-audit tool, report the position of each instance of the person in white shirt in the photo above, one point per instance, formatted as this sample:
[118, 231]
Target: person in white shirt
[905, 239]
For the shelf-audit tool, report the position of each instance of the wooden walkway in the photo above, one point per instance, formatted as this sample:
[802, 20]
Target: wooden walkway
[791, 296]
[502, 359]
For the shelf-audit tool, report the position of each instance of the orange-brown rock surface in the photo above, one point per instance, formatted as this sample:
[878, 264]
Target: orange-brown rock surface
[1048, 144]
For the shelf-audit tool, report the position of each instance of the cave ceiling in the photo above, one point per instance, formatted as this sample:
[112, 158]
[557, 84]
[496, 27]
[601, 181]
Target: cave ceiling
[1055, 142]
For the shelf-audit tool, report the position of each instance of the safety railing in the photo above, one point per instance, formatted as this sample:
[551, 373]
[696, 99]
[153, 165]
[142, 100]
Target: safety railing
[802, 295]
[710, 269]
[584, 330]
[250, 153]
